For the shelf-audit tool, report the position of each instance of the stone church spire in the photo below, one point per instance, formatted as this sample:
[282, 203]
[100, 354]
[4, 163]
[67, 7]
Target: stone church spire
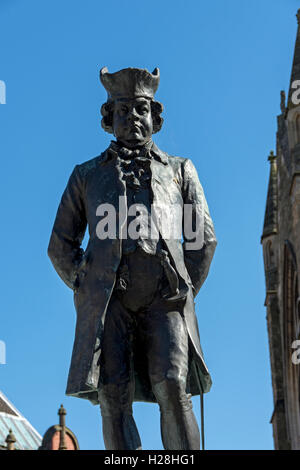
[295, 74]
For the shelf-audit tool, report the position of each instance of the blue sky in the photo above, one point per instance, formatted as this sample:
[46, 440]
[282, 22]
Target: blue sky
[223, 64]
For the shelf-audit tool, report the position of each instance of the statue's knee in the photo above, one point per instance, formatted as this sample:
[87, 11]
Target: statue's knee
[171, 395]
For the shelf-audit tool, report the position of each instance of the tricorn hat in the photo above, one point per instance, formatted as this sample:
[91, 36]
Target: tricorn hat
[129, 83]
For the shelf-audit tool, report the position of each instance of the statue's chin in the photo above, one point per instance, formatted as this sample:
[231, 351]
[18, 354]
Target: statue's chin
[133, 143]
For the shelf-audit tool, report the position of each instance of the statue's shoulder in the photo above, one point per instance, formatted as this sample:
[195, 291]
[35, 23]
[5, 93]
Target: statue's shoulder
[183, 162]
[85, 168]
[175, 161]
[184, 167]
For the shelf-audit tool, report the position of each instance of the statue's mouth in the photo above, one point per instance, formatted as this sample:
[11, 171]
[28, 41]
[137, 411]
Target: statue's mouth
[134, 130]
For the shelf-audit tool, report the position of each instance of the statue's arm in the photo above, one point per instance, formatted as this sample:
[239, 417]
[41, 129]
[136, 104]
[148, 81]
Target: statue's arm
[68, 230]
[197, 260]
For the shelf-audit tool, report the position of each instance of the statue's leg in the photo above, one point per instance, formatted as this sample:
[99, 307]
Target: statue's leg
[166, 341]
[116, 385]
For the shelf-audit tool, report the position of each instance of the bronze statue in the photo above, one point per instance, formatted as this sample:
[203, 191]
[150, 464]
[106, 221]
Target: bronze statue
[136, 335]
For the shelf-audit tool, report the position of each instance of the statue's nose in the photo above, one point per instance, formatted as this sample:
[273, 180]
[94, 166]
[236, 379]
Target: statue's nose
[132, 115]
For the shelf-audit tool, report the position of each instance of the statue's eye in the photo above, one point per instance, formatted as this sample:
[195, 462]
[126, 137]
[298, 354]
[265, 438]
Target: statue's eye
[143, 110]
[123, 110]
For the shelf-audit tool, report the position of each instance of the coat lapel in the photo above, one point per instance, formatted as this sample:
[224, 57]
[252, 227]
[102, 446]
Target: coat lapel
[166, 194]
[113, 186]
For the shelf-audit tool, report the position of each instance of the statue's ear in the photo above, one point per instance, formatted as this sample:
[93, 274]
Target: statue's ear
[105, 109]
[107, 120]
[157, 109]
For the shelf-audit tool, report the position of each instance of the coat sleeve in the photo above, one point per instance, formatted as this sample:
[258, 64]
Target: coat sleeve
[68, 231]
[199, 249]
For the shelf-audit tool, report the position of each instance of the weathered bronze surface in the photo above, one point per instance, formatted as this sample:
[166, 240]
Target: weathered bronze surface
[136, 335]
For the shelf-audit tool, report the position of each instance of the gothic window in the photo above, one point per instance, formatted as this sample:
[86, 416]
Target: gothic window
[291, 325]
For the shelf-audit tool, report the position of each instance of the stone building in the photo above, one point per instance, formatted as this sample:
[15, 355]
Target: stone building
[281, 252]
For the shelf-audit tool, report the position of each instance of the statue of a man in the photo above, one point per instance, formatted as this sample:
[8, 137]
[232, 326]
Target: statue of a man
[136, 334]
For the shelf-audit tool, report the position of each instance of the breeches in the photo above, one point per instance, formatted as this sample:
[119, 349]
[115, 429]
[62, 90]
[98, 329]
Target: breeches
[154, 337]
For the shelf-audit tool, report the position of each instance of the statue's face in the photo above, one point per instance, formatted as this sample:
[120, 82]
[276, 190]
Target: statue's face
[132, 122]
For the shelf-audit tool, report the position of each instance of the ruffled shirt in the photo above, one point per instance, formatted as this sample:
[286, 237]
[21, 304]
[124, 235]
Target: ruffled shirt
[135, 166]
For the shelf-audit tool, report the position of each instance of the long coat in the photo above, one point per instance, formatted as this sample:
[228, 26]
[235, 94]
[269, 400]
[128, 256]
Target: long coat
[92, 273]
